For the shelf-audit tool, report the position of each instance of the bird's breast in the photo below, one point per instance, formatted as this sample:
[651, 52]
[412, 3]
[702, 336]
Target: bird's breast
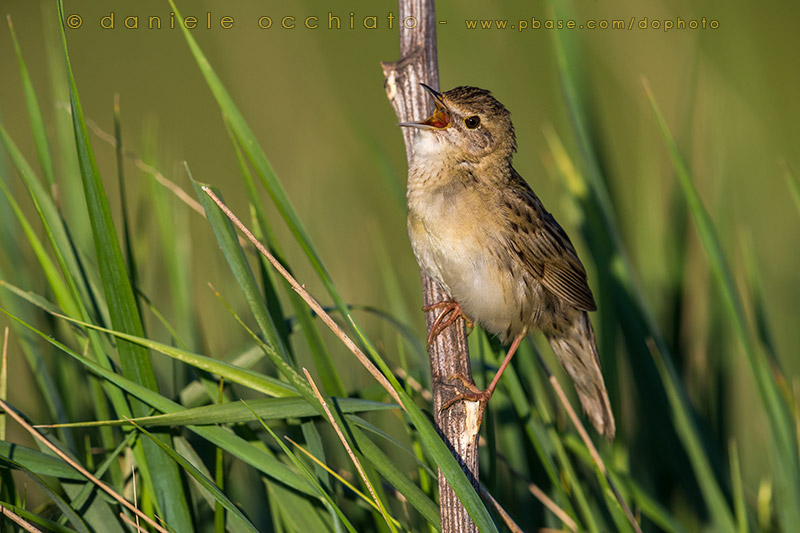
[458, 240]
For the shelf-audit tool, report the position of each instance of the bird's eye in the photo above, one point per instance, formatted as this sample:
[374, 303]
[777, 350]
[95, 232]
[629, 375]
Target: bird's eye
[472, 122]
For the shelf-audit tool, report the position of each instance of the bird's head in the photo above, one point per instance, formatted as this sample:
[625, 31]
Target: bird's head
[467, 123]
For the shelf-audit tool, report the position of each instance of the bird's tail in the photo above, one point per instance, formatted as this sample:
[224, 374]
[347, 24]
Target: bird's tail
[577, 351]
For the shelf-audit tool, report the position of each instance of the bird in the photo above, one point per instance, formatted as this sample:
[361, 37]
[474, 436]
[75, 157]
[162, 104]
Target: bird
[478, 229]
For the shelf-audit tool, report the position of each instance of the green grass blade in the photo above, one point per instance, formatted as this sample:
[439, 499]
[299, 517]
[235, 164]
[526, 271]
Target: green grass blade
[34, 113]
[162, 473]
[232, 522]
[742, 525]
[231, 372]
[130, 257]
[79, 499]
[779, 414]
[650, 508]
[299, 515]
[98, 514]
[793, 182]
[200, 391]
[35, 519]
[118, 291]
[543, 437]
[64, 506]
[59, 288]
[198, 476]
[440, 455]
[61, 244]
[300, 466]
[177, 253]
[236, 413]
[264, 233]
[38, 462]
[373, 429]
[219, 473]
[398, 314]
[712, 493]
[759, 308]
[231, 443]
[51, 221]
[44, 378]
[386, 466]
[226, 237]
[328, 372]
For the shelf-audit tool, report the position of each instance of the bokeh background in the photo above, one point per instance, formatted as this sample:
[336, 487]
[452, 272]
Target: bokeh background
[315, 100]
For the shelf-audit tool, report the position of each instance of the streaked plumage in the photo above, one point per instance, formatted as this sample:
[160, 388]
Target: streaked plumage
[479, 230]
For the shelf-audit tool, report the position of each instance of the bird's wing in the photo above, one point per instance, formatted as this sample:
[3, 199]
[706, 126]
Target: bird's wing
[544, 248]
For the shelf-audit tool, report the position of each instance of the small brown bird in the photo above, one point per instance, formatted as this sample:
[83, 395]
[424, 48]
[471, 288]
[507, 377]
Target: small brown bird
[478, 229]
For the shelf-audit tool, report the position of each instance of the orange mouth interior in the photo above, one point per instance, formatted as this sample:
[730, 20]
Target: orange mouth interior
[440, 118]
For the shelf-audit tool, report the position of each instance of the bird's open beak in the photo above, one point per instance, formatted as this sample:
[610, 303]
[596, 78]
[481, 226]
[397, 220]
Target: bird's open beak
[440, 118]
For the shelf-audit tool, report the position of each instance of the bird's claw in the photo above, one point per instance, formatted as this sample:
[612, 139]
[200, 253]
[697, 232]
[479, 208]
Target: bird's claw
[474, 394]
[452, 311]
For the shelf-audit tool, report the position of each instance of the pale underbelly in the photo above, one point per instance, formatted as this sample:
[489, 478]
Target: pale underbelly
[498, 296]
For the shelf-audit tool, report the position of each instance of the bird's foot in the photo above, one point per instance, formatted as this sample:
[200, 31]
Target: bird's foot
[473, 394]
[450, 313]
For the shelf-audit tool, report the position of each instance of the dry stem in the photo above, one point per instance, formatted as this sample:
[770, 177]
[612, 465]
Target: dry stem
[449, 354]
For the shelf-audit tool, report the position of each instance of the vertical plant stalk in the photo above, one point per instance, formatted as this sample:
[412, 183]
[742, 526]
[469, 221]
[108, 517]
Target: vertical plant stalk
[449, 353]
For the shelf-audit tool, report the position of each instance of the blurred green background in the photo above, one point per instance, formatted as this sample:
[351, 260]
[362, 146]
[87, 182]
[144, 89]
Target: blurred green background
[315, 101]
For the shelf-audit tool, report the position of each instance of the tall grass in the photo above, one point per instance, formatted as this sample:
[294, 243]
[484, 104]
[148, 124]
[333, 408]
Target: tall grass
[131, 387]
